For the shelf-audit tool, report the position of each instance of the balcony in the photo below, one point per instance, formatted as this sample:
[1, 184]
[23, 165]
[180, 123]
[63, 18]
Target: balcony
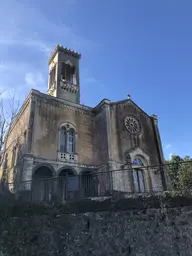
[66, 85]
[67, 157]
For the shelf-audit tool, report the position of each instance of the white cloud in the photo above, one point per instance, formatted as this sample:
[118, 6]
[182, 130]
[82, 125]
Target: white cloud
[168, 146]
[27, 38]
[88, 80]
[16, 78]
[38, 45]
[34, 79]
[170, 156]
[20, 28]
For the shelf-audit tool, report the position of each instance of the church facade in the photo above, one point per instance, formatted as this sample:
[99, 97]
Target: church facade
[54, 134]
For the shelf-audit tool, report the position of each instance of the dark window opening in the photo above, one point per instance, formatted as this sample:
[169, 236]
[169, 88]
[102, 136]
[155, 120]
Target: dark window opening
[68, 73]
[71, 140]
[63, 140]
[89, 184]
[68, 185]
[138, 178]
[52, 76]
[67, 140]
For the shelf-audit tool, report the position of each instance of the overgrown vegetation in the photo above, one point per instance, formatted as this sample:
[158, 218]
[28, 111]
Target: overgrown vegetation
[180, 172]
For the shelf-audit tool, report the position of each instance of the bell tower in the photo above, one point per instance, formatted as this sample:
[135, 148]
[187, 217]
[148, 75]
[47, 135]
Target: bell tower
[63, 79]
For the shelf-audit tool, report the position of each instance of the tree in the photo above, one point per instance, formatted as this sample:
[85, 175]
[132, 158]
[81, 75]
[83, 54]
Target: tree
[9, 107]
[180, 172]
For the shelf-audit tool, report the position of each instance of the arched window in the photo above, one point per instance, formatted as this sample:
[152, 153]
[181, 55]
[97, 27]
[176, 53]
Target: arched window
[67, 140]
[63, 139]
[138, 175]
[71, 141]
[138, 162]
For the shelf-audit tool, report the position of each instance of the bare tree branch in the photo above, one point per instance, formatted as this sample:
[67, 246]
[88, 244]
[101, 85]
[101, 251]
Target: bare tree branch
[8, 111]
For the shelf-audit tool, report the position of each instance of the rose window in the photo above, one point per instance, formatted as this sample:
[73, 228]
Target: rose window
[132, 125]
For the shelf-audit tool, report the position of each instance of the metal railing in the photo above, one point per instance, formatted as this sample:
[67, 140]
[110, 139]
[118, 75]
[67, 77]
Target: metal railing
[136, 180]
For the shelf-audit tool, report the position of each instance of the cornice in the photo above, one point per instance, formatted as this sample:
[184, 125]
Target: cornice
[40, 98]
[102, 104]
[38, 160]
[123, 103]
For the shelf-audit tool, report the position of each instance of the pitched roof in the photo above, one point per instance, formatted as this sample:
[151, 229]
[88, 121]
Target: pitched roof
[129, 101]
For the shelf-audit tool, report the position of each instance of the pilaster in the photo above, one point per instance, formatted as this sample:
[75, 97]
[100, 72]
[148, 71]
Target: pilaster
[108, 128]
[160, 150]
[30, 124]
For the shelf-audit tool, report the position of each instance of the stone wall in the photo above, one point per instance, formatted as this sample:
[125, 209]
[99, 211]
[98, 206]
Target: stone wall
[123, 141]
[50, 113]
[16, 138]
[152, 230]
[100, 144]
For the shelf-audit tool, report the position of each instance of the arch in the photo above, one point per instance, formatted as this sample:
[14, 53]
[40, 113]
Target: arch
[68, 62]
[140, 154]
[67, 138]
[66, 167]
[42, 183]
[68, 183]
[138, 164]
[50, 167]
[68, 125]
[66, 172]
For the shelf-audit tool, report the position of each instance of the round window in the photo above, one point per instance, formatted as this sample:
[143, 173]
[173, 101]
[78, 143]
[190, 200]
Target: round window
[132, 124]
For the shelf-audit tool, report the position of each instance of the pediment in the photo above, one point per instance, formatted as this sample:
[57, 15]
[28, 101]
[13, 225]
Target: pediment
[129, 102]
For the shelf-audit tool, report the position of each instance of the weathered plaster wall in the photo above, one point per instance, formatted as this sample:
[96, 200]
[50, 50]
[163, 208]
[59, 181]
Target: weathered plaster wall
[16, 138]
[53, 64]
[124, 141]
[100, 138]
[147, 232]
[49, 115]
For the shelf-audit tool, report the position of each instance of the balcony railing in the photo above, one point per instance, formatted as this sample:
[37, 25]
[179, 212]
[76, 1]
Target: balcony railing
[67, 157]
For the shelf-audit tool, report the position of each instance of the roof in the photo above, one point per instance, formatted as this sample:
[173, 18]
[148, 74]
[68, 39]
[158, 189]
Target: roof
[129, 100]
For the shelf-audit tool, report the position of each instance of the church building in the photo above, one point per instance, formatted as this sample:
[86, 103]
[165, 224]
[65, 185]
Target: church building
[55, 136]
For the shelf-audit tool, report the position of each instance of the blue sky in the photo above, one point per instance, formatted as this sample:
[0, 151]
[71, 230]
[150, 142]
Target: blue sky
[142, 48]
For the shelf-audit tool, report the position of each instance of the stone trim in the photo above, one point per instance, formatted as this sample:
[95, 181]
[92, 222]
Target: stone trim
[43, 98]
[42, 160]
[139, 152]
[37, 166]
[68, 87]
[123, 103]
[68, 125]
[102, 104]
[66, 167]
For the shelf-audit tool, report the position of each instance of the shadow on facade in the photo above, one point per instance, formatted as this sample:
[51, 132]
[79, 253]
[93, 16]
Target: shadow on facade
[42, 184]
[67, 186]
